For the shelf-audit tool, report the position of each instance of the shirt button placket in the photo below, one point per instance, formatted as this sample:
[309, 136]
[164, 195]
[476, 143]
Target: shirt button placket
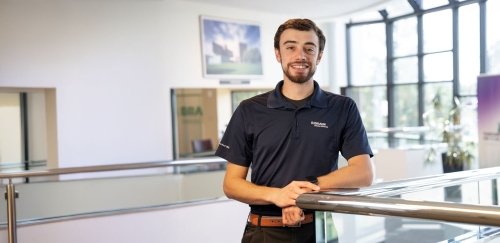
[296, 128]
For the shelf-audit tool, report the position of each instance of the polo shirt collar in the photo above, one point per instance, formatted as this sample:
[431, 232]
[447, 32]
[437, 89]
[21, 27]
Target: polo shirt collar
[276, 99]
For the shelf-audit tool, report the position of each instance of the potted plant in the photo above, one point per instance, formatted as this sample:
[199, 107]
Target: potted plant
[447, 127]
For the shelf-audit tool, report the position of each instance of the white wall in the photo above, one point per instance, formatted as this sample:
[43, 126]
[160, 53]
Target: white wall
[113, 64]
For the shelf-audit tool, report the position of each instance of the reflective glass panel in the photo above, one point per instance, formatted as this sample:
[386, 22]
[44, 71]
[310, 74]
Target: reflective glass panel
[469, 124]
[405, 105]
[48, 198]
[405, 37]
[468, 48]
[196, 122]
[493, 36]
[240, 95]
[372, 105]
[438, 67]
[437, 105]
[360, 228]
[10, 129]
[19, 143]
[441, 93]
[406, 70]
[368, 54]
[437, 31]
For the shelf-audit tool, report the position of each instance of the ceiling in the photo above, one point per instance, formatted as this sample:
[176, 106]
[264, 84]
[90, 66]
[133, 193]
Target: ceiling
[314, 9]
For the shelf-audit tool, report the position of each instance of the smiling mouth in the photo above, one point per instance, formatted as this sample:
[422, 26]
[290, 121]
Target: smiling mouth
[299, 66]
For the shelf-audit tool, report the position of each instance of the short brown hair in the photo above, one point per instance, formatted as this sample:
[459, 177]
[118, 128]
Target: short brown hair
[303, 25]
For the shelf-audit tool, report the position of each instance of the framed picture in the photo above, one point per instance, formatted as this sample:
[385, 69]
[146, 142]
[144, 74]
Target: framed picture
[230, 49]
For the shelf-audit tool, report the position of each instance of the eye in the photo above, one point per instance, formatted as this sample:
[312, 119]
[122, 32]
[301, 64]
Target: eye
[310, 50]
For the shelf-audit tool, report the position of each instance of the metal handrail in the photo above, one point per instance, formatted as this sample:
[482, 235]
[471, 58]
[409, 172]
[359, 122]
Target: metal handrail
[398, 187]
[11, 193]
[374, 200]
[111, 167]
[420, 129]
[394, 188]
[363, 205]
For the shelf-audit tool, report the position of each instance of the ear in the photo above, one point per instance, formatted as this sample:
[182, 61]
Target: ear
[320, 55]
[277, 54]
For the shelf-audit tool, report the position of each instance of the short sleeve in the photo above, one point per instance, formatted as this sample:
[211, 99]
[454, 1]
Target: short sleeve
[235, 145]
[355, 141]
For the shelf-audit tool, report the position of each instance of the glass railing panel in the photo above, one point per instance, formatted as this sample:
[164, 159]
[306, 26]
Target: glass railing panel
[351, 228]
[358, 215]
[400, 137]
[482, 193]
[51, 198]
[438, 231]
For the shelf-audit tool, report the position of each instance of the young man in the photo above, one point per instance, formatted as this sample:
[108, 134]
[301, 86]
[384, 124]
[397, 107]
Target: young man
[291, 138]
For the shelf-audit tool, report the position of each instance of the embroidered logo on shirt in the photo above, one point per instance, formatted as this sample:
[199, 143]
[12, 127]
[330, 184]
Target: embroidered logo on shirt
[223, 145]
[319, 124]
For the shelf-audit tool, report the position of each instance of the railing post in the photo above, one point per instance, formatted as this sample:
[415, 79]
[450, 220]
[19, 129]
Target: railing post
[11, 212]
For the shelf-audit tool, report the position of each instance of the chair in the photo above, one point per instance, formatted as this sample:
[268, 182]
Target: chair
[202, 145]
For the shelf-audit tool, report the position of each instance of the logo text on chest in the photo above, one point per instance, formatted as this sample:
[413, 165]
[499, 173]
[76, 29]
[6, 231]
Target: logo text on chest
[319, 124]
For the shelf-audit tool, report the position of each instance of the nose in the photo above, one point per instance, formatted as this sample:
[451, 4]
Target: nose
[301, 55]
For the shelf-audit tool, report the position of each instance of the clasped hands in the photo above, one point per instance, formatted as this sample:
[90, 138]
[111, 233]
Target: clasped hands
[286, 197]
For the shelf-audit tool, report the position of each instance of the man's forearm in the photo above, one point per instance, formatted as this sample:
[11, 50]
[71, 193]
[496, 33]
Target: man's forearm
[358, 173]
[247, 192]
[237, 187]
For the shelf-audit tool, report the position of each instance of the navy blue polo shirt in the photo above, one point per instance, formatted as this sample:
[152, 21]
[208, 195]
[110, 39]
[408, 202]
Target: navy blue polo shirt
[282, 143]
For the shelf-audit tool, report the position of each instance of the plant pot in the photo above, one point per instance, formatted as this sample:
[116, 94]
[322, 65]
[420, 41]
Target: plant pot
[452, 193]
[451, 166]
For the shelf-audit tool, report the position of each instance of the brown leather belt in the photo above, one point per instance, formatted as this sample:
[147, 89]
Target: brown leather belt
[276, 221]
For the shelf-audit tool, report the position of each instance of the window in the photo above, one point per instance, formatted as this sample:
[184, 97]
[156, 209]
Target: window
[468, 48]
[406, 70]
[195, 118]
[442, 91]
[368, 57]
[405, 37]
[238, 96]
[438, 67]
[427, 59]
[405, 49]
[10, 128]
[27, 128]
[437, 31]
[372, 105]
[493, 36]
[406, 107]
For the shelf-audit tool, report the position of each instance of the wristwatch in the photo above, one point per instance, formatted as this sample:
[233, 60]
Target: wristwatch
[312, 179]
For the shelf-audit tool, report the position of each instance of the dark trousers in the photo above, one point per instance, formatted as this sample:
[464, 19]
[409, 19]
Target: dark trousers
[304, 234]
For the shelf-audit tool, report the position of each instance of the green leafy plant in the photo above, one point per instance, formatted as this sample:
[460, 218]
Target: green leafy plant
[446, 127]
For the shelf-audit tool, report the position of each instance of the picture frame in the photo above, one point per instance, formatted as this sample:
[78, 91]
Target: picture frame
[231, 49]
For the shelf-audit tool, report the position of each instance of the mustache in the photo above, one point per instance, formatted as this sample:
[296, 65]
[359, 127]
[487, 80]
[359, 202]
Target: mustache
[300, 63]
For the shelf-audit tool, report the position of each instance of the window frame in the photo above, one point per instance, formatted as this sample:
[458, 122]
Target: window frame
[390, 58]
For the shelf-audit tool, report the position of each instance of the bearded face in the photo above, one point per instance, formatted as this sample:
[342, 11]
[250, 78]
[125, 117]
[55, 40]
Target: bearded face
[298, 55]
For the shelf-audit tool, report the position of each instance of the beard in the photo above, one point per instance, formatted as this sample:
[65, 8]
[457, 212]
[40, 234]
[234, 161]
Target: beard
[301, 78]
